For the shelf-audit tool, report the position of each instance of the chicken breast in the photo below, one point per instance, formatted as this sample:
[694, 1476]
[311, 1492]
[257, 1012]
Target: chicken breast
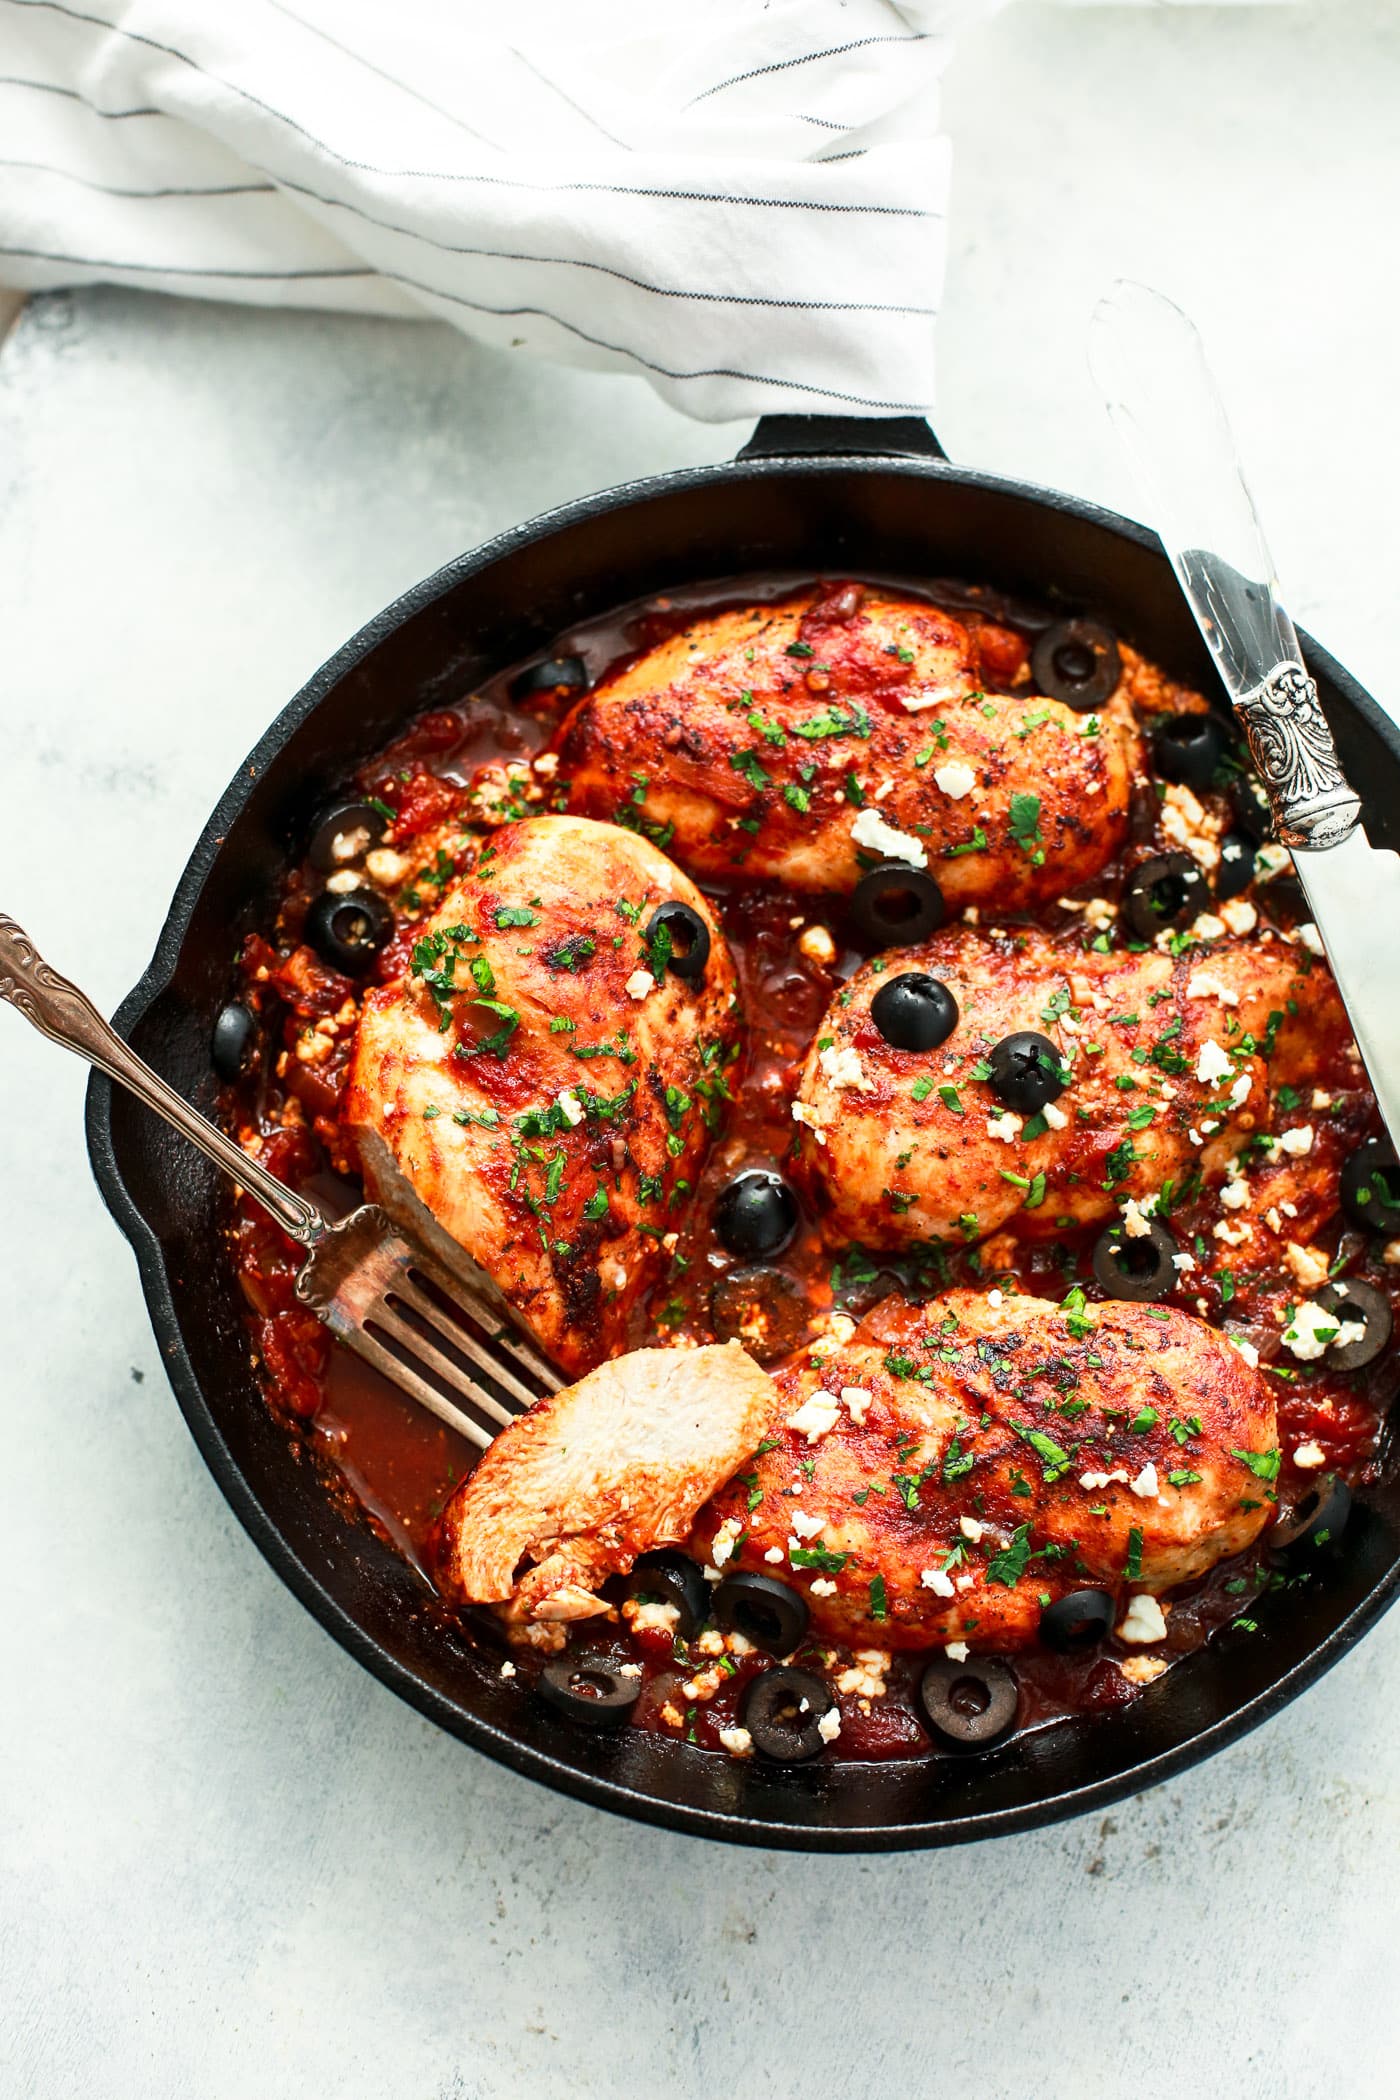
[937, 1484]
[1172, 1063]
[600, 1473]
[789, 742]
[530, 1094]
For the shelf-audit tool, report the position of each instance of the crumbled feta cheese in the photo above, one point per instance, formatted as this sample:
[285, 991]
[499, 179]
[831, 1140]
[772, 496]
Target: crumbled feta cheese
[970, 1529]
[572, 1107]
[774, 1556]
[1235, 1195]
[1313, 1330]
[815, 1116]
[936, 1580]
[1142, 1623]
[1135, 1224]
[1241, 1090]
[807, 1527]
[1183, 1261]
[651, 1618]
[1006, 1126]
[346, 881]
[817, 945]
[815, 1417]
[1243, 1348]
[871, 831]
[1273, 1220]
[829, 1726]
[640, 983]
[955, 779]
[1142, 1669]
[1213, 1063]
[1239, 915]
[1321, 1098]
[737, 1741]
[1298, 1141]
[1232, 1235]
[1308, 1266]
[1308, 1456]
[823, 1586]
[629, 1669]
[956, 1651]
[1054, 1115]
[841, 1066]
[507, 1669]
[1201, 985]
[995, 1298]
[547, 764]
[1093, 1481]
[856, 1400]
[1308, 937]
[1207, 927]
[1390, 1254]
[722, 1547]
[1146, 1483]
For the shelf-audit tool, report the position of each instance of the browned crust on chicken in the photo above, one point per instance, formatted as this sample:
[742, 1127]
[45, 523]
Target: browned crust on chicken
[753, 740]
[998, 1414]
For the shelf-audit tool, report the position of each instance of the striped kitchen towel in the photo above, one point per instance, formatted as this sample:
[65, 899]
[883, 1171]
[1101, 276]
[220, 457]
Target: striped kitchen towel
[744, 202]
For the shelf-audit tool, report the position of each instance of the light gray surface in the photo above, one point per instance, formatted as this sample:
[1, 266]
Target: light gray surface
[230, 1864]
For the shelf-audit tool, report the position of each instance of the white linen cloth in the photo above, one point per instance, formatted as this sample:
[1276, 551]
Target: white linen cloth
[744, 202]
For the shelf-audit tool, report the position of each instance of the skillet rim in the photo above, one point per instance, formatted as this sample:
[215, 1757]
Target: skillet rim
[911, 453]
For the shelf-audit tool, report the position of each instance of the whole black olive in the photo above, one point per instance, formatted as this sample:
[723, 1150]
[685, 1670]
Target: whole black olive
[1253, 812]
[344, 833]
[1141, 1270]
[231, 1045]
[348, 928]
[762, 1308]
[756, 1213]
[1077, 1622]
[672, 1578]
[685, 937]
[1027, 1071]
[914, 1011]
[1370, 1187]
[1077, 661]
[1165, 891]
[1318, 1518]
[767, 1612]
[592, 1692]
[1361, 1305]
[783, 1710]
[1238, 855]
[970, 1704]
[1188, 748]
[555, 674]
[895, 906]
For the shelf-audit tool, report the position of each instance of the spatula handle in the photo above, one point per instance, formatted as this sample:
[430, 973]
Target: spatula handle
[67, 1016]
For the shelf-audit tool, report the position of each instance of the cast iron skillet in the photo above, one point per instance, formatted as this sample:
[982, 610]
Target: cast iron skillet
[809, 494]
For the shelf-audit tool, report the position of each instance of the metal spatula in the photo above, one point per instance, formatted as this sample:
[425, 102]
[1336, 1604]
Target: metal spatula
[439, 1337]
[1151, 368]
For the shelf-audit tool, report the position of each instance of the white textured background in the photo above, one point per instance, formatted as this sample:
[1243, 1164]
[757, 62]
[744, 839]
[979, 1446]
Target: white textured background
[230, 1864]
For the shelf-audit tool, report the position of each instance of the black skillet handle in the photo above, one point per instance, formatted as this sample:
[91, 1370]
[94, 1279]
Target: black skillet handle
[857, 437]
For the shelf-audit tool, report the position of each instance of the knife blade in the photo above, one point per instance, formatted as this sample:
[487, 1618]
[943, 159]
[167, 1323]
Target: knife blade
[1151, 368]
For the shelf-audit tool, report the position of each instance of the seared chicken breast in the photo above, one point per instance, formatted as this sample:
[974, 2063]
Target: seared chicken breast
[600, 1473]
[803, 741]
[938, 1484]
[1172, 1062]
[538, 1089]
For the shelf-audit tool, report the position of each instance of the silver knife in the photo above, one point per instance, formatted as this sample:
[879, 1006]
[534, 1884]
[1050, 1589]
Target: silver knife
[1151, 368]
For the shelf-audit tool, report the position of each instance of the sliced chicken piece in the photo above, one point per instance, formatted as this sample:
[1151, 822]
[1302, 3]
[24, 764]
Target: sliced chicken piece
[1173, 1063]
[783, 742]
[936, 1484]
[530, 1093]
[604, 1471]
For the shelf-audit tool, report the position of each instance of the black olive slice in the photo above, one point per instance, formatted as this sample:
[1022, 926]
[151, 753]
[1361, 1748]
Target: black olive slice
[348, 928]
[1370, 1187]
[914, 1011]
[231, 1045]
[672, 1578]
[766, 1611]
[1027, 1071]
[343, 834]
[762, 1308]
[554, 674]
[1188, 748]
[1141, 1269]
[1318, 1517]
[1164, 892]
[783, 1710]
[1075, 1623]
[592, 1692]
[1253, 812]
[1238, 855]
[1077, 661]
[895, 906]
[756, 1213]
[685, 938]
[969, 1704]
[1356, 1304]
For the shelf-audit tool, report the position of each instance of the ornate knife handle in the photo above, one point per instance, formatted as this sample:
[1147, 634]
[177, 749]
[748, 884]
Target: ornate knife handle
[67, 1016]
[1296, 759]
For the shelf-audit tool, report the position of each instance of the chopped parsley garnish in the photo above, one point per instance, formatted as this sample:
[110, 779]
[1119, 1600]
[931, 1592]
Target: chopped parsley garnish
[1262, 1464]
[1009, 1565]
